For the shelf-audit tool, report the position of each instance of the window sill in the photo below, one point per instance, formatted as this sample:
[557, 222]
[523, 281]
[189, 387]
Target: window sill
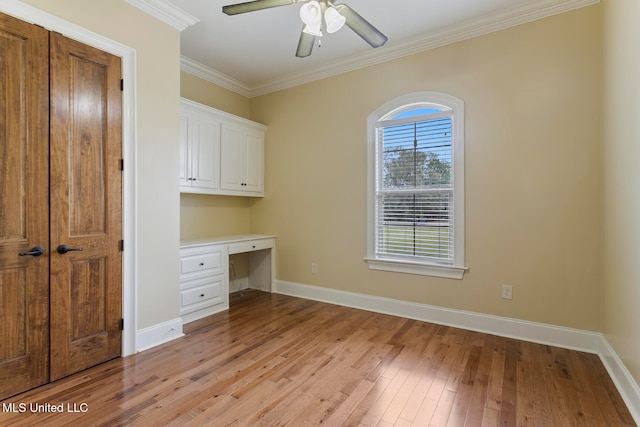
[447, 271]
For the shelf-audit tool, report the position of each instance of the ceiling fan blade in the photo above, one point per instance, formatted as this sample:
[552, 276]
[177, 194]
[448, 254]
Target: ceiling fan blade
[250, 6]
[361, 26]
[305, 45]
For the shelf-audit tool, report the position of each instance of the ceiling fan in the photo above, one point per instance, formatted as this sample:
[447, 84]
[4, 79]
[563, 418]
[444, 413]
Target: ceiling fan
[311, 13]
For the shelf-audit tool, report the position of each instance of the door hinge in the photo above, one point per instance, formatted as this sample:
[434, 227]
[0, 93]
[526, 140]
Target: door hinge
[121, 85]
[122, 324]
[121, 245]
[121, 164]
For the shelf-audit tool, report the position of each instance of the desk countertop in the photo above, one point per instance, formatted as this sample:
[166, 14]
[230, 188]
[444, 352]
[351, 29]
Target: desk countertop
[223, 239]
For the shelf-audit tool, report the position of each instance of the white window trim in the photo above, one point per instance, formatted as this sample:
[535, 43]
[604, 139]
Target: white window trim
[457, 269]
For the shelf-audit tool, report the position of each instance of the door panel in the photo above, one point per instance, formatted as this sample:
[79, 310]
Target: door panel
[24, 210]
[86, 145]
[86, 206]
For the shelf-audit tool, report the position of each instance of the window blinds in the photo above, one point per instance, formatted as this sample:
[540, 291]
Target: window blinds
[414, 188]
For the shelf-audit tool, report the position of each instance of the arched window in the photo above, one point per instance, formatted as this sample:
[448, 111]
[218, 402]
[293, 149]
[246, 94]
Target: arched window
[416, 185]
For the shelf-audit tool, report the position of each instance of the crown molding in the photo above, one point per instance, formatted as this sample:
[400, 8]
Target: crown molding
[166, 12]
[209, 74]
[507, 18]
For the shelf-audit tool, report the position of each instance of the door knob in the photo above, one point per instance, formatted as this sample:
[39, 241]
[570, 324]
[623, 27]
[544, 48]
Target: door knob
[35, 251]
[63, 249]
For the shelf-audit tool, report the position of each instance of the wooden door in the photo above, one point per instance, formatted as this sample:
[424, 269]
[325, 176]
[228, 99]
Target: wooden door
[24, 210]
[86, 206]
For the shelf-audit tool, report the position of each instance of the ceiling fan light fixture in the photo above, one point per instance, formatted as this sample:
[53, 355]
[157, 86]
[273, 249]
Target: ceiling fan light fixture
[311, 13]
[313, 30]
[333, 20]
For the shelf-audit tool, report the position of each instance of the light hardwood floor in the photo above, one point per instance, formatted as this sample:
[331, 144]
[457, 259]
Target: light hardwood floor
[277, 360]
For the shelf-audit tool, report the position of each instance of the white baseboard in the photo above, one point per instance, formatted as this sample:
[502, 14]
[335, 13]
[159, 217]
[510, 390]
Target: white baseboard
[503, 326]
[626, 385]
[204, 312]
[158, 334]
[575, 339]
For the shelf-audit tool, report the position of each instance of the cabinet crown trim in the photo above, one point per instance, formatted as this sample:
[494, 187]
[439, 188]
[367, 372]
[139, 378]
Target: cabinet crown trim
[222, 114]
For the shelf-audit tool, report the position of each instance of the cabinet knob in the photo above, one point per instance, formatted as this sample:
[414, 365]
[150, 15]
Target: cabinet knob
[201, 295]
[201, 264]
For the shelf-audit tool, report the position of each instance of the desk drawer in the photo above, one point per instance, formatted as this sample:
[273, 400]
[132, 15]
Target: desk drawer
[194, 262]
[209, 294]
[251, 245]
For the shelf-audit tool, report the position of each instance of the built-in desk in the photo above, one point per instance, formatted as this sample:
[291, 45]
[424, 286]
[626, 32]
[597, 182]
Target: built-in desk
[204, 271]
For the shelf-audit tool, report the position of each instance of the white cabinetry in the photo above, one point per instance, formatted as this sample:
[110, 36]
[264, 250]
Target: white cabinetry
[220, 153]
[204, 271]
[204, 281]
[242, 154]
[199, 151]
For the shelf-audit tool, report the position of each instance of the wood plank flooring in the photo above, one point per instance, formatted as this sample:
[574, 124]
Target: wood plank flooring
[274, 360]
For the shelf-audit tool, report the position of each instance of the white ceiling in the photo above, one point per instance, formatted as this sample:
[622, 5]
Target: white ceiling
[254, 53]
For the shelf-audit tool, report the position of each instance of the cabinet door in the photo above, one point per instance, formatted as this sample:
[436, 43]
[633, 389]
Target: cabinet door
[242, 159]
[232, 168]
[254, 162]
[184, 151]
[205, 149]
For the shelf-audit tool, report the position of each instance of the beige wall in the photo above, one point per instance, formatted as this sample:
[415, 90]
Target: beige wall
[198, 90]
[533, 172]
[621, 289]
[208, 216]
[157, 47]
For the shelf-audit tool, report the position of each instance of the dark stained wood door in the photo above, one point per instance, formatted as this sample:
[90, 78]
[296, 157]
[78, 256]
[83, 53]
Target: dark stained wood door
[60, 184]
[86, 206]
[24, 209]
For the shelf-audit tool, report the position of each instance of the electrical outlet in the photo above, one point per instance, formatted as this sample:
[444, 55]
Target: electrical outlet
[507, 292]
[314, 268]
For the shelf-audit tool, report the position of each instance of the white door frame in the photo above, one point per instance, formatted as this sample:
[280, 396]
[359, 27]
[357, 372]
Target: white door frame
[129, 143]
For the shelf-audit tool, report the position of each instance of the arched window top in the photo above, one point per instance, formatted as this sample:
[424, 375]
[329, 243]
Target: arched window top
[415, 110]
[417, 104]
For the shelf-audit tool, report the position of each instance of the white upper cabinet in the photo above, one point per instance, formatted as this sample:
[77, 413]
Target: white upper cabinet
[242, 154]
[199, 152]
[220, 153]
